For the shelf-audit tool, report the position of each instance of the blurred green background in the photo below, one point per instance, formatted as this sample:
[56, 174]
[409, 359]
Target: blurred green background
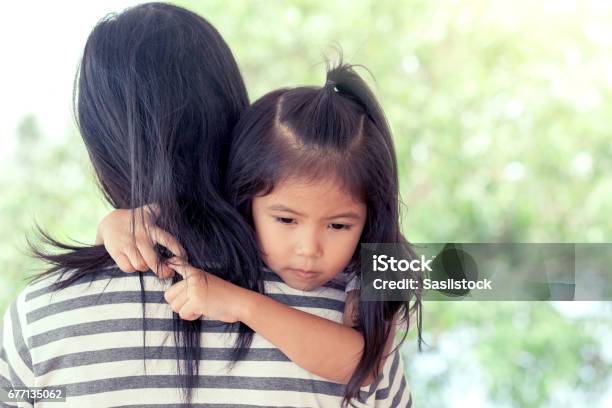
[501, 116]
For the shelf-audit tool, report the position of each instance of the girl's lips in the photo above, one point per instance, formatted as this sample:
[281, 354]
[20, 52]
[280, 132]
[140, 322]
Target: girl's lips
[303, 274]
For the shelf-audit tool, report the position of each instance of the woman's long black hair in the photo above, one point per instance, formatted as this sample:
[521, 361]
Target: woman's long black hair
[338, 130]
[158, 93]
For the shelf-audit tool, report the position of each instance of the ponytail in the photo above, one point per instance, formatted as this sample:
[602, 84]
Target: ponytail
[375, 319]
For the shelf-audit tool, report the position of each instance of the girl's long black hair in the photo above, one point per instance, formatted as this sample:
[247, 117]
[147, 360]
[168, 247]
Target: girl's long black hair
[338, 130]
[157, 94]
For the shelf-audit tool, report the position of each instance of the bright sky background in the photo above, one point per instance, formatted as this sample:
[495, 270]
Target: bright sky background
[41, 44]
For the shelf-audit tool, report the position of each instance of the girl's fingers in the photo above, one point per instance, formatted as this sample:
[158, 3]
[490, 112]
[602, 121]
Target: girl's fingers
[181, 267]
[136, 259]
[123, 262]
[167, 240]
[177, 296]
[166, 272]
[187, 312]
[178, 303]
[188, 272]
[148, 254]
[152, 260]
[174, 291]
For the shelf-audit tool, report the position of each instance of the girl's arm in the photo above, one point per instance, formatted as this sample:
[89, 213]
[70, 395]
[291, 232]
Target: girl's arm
[318, 345]
[321, 346]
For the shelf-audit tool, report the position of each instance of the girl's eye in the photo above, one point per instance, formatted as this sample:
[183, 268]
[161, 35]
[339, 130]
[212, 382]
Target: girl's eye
[340, 226]
[284, 220]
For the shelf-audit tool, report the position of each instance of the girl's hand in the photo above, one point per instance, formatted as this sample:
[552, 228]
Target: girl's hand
[201, 293]
[134, 250]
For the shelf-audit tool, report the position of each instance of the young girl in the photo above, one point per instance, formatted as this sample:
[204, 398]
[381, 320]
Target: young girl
[314, 172]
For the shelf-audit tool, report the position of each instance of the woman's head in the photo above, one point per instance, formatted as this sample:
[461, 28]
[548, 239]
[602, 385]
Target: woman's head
[332, 147]
[158, 93]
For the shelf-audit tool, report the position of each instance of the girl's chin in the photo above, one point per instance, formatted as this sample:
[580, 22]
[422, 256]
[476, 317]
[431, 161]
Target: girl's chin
[303, 275]
[294, 281]
[298, 279]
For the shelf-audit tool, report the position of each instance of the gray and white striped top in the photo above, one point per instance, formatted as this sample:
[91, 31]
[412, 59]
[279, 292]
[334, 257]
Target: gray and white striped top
[88, 339]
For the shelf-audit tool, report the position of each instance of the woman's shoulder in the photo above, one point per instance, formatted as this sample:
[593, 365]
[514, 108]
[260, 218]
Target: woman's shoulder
[390, 387]
[65, 284]
[45, 303]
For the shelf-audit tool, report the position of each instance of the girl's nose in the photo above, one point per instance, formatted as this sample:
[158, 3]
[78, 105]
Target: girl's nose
[308, 246]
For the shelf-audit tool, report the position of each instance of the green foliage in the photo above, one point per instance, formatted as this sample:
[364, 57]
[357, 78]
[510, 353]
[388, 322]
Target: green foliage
[524, 354]
[48, 184]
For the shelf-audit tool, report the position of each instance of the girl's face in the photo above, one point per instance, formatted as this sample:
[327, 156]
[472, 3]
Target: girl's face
[307, 231]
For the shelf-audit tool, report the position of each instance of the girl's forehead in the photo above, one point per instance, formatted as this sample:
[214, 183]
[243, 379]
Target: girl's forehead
[311, 196]
[310, 189]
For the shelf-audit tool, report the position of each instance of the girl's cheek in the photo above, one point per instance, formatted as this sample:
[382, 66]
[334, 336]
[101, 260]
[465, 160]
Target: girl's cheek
[265, 236]
[269, 245]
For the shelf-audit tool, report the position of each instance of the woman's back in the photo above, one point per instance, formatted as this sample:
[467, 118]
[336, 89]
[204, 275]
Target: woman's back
[88, 338]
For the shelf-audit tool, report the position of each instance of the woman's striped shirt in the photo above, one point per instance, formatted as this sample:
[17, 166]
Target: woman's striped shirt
[88, 338]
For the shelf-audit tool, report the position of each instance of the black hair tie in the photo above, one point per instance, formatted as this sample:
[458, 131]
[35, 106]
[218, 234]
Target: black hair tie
[331, 84]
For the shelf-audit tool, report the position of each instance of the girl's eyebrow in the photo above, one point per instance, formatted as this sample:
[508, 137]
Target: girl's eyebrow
[351, 215]
[280, 207]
